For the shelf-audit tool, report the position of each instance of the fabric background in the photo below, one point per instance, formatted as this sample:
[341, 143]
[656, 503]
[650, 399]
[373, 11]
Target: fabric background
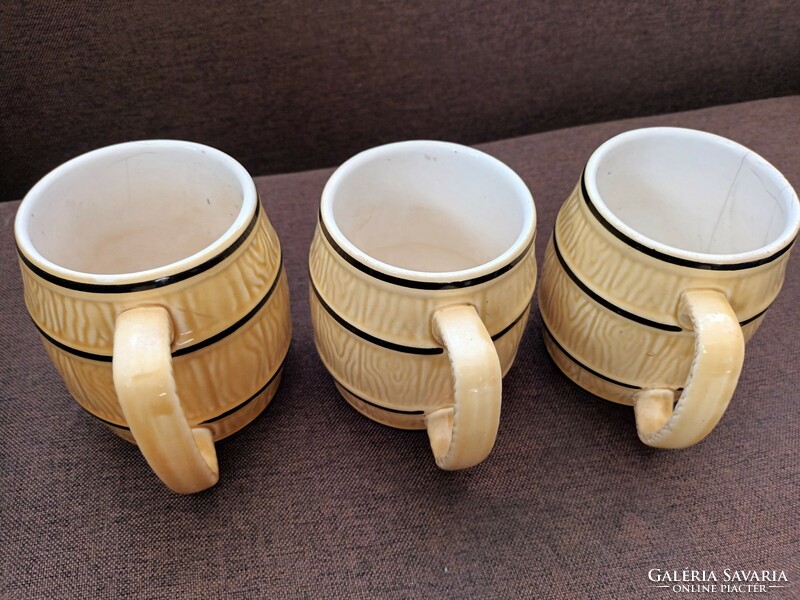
[289, 85]
[316, 501]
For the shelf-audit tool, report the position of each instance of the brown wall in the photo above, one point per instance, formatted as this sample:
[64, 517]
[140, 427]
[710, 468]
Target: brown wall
[290, 85]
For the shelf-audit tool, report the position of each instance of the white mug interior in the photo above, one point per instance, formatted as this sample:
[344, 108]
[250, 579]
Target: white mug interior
[429, 207]
[692, 194]
[135, 208]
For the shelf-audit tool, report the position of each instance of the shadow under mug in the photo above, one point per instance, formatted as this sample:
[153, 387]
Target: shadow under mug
[662, 262]
[151, 271]
[422, 272]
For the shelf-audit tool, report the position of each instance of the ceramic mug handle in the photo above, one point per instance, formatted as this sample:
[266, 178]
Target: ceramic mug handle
[184, 458]
[718, 357]
[462, 435]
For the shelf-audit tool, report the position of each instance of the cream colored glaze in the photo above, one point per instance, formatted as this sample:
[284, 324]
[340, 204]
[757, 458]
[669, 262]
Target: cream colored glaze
[86, 320]
[714, 372]
[613, 355]
[234, 368]
[229, 321]
[442, 194]
[184, 457]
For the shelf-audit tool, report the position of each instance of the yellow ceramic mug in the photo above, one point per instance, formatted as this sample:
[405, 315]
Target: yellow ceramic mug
[662, 262]
[156, 283]
[422, 270]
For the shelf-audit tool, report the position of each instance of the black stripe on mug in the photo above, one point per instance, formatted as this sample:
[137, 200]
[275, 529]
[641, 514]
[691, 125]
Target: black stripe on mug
[621, 311]
[419, 285]
[219, 417]
[675, 260]
[378, 406]
[140, 286]
[602, 301]
[392, 345]
[367, 336]
[180, 351]
[578, 363]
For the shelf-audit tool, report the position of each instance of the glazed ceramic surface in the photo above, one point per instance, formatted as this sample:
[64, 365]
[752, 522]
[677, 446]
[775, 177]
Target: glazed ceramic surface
[422, 271]
[663, 261]
[155, 280]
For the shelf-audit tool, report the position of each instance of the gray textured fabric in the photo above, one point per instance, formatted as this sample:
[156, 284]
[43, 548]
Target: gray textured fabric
[315, 501]
[286, 86]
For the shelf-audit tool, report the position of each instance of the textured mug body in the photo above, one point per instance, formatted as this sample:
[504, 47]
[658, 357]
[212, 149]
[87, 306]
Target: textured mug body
[609, 307]
[406, 232]
[228, 305]
[373, 331]
[658, 214]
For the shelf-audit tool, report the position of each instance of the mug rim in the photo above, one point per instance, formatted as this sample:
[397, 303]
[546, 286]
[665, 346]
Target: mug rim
[618, 227]
[488, 270]
[159, 276]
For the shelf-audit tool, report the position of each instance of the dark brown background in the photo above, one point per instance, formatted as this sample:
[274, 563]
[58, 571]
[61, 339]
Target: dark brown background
[296, 84]
[315, 501]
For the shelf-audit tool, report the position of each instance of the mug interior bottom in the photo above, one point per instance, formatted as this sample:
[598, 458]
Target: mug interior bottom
[429, 257]
[425, 239]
